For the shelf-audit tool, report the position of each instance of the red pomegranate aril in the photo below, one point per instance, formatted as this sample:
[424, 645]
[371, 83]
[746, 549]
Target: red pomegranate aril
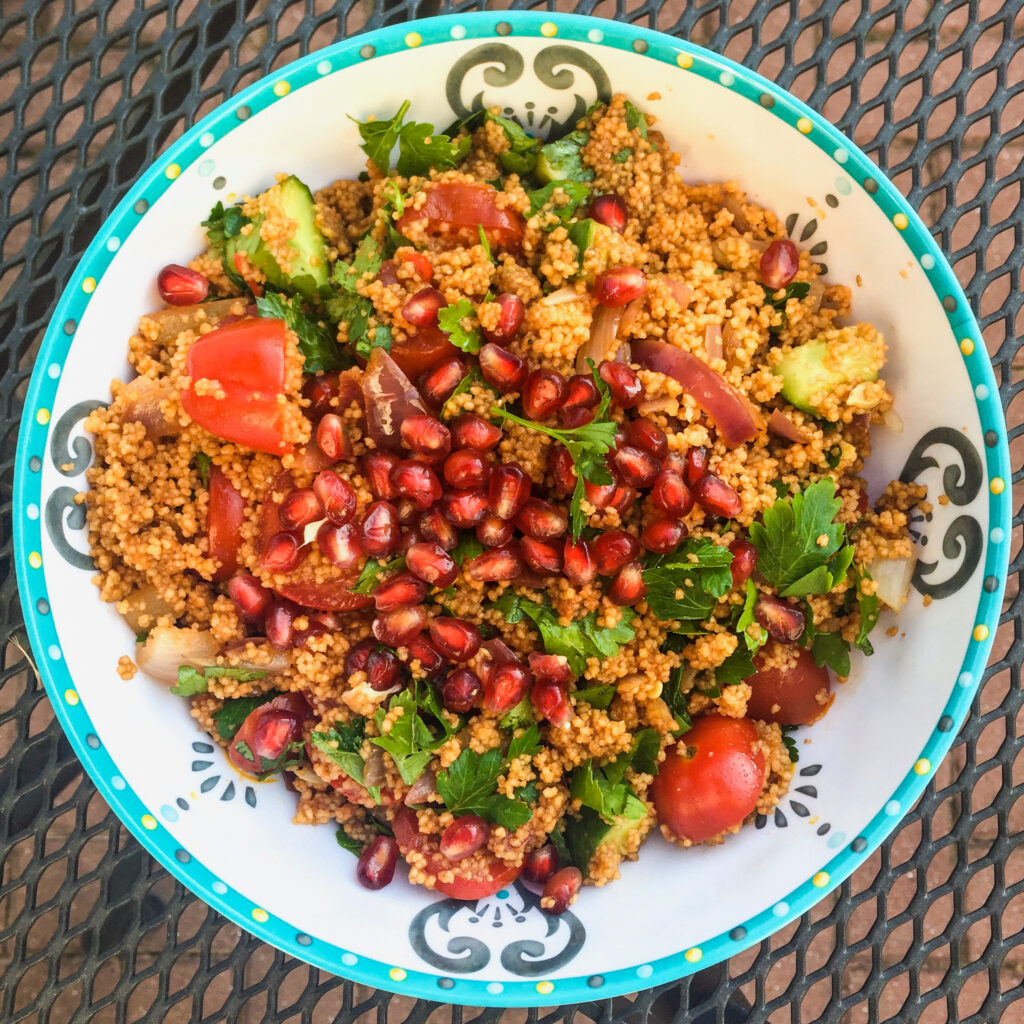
[599, 495]
[538, 867]
[541, 556]
[609, 210]
[561, 891]
[383, 669]
[542, 394]
[299, 509]
[460, 690]
[541, 520]
[662, 535]
[335, 496]
[430, 658]
[470, 431]
[409, 535]
[181, 286]
[431, 563]
[501, 368]
[376, 865]
[426, 435]
[496, 565]
[251, 598]
[455, 639]
[492, 532]
[379, 531]
[319, 391]
[575, 416]
[505, 685]
[397, 626]
[332, 438]
[279, 625]
[551, 700]
[779, 264]
[273, 734]
[744, 561]
[784, 621]
[437, 385]
[562, 470]
[580, 391]
[620, 286]
[648, 437]
[417, 483]
[628, 586]
[612, 550]
[623, 499]
[466, 469]
[554, 667]
[508, 490]
[408, 513]
[358, 656]
[696, 464]
[510, 319]
[671, 494]
[282, 553]
[423, 307]
[464, 836]
[340, 544]
[714, 495]
[623, 384]
[378, 467]
[464, 508]
[578, 562]
[403, 589]
[635, 467]
[433, 526]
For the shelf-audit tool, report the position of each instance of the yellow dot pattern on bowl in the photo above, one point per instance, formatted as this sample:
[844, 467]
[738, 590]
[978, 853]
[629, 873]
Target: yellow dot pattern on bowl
[549, 28]
[684, 60]
[998, 485]
[397, 974]
[259, 914]
[922, 766]
[545, 987]
[900, 220]
[43, 417]
[71, 697]
[413, 39]
[89, 285]
[693, 956]
[967, 346]
[804, 125]
[282, 88]
[148, 822]
[820, 879]
[35, 560]
[172, 171]
[981, 632]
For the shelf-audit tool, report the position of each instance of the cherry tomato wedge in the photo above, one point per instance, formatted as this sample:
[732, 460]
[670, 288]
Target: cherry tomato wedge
[461, 887]
[246, 359]
[427, 348]
[454, 210]
[794, 696]
[267, 732]
[224, 524]
[711, 779]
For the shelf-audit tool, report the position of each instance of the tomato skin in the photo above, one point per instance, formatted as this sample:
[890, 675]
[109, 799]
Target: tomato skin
[419, 261]
[700, 796]
[427, 348]
[410, 839]
[789, 696]
[454, 210]
[224, 524]
[287, 708]
[247, 359]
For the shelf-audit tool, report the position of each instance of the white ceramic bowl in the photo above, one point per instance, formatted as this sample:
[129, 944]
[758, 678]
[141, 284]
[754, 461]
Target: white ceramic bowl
[860, 768]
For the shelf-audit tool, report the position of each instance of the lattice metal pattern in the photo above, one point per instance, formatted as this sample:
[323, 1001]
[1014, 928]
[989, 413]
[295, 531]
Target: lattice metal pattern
[91, 930]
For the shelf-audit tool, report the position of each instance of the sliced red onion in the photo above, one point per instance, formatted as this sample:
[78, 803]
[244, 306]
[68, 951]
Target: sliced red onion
[422, 789]
[782, 426]
[389, 398]
[713, 341]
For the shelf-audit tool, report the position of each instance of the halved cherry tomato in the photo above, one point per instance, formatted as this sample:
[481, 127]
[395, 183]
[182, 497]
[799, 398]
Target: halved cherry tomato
[454, 211]
[795, 696]
[267, 731]
[246, 359]
[410, 839]
[419, 261]
[427, 348]
[711, 779]
[224, 524]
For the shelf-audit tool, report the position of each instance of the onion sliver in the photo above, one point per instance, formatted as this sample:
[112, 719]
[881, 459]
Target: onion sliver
[144, 607]
[603, 331]
[167, 647]
[713, 341]
[782, 426]
[389, 398]
[892, 577]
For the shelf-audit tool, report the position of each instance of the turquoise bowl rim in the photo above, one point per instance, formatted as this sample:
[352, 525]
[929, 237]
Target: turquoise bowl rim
[33, 439]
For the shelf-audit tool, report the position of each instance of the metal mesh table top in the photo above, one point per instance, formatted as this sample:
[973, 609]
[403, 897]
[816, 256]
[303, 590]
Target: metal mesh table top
[931, 928]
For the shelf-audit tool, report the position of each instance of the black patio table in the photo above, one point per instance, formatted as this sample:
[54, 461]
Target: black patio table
[92, 930]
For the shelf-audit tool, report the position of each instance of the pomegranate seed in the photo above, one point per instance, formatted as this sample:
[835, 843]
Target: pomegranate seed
[619, 286]
[671, 494]
[551, 700]
[408, 513]
[575, 416]
[426, 436]
[273, 734]
[379, 530]
[542, 394]
[430, 658]
[397, 626]
[378, 467]
[335, 496]
[492, 532]
[562, 470]
[282, 553]
[388, 273]
[784, 621]
[466, 469]
[611, 211]
[648, 437]
[431, 563]
[662, 535]
[510, 318]
[744, 561]
[498, 564]
[460, 690]
[561, 891]
[508, 490]
[628, 587]
[581, 391]
[579, 564]
[470, 431]
[299, 509]
[434, 526]
[437, 385]
[251, 598]
[409, 536]
[417, 483]
[332, 439]
[636, 468]
[541, 556]
[279, 625]
[779, 264]
[716, 496]
[553, 667]
[505, 685]
[464, 508]
[358, 656]
[623, 499]
[403, 589]
[501, 368]
[623, 383]
[538, 867]
[376, 865]
[455, 639]
[181, 286]
[541, 520]
[612, 550]
[696, 464]
[423, 307]
[319, 391]
[599, 495]
[383, 669]
[464, 836]
[340, 544]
